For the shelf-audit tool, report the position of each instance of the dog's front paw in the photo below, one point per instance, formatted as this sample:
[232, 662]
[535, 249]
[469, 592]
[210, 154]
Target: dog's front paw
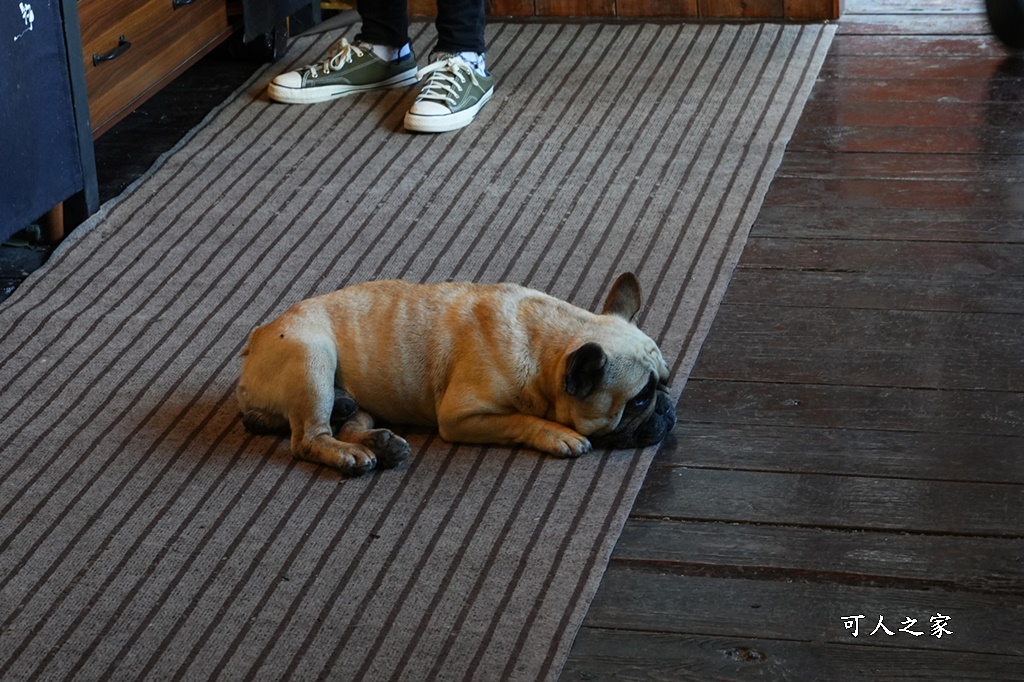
[356, 461]
[566, 443]
[391, 449]
[351, 459]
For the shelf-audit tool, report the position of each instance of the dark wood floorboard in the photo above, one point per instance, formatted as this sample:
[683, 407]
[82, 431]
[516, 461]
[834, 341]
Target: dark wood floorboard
[950, 277]
[852, 502]
[664, 601]
[669, 657]
[884, 408]
[851, 440]
[734, 445]
[875, 558]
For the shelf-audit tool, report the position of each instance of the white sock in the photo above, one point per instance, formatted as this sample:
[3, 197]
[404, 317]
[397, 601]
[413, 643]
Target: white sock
[476, 60]
[388, 53]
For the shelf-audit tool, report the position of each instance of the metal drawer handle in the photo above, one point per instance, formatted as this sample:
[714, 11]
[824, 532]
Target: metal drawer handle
[122, 47]
[181, 3]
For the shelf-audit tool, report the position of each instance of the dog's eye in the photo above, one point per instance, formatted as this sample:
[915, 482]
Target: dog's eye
[639, 402]
[644, 397]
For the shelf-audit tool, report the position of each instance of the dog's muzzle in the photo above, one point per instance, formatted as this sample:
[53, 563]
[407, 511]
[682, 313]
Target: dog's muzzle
[649, 432]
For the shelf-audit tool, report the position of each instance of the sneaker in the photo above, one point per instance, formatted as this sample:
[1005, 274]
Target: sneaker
[347, 69]
[451, 98]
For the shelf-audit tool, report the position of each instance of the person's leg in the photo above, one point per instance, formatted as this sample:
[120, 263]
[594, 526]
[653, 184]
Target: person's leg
[385, 22]
[460, 26]
[457, 84]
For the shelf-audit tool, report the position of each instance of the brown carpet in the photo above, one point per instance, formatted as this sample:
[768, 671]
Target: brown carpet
[145, 535]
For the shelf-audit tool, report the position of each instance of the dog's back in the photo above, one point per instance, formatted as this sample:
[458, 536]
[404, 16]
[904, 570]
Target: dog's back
[394, 345]
[401, 345]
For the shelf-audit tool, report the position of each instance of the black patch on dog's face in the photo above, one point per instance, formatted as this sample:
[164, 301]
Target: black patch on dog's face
[585, 368]
[650, 430]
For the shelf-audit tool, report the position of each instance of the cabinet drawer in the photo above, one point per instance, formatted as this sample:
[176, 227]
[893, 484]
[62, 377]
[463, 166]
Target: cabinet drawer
[131, 48]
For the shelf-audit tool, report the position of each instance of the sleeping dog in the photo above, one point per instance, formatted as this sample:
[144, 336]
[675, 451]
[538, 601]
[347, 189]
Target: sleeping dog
[483, 363]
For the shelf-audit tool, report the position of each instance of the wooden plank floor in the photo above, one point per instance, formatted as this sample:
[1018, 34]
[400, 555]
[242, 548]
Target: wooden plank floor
[851, 441]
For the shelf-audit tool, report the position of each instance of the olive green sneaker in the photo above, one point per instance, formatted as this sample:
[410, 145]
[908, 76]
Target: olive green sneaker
[451, 98]
[347, 69]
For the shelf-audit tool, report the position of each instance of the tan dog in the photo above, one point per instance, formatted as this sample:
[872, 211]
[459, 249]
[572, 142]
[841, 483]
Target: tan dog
[484, 363]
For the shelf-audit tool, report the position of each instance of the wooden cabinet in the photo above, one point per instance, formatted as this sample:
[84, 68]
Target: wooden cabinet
[132, 48]
[45, 137]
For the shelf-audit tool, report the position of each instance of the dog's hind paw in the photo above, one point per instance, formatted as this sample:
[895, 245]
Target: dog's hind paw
[344, 408]
[391, 449]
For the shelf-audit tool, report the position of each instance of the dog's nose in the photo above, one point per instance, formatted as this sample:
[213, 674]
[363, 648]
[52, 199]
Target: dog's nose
[665, 411]
[663, 404]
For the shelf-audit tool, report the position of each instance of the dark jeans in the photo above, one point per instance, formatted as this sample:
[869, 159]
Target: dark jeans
[460, 24]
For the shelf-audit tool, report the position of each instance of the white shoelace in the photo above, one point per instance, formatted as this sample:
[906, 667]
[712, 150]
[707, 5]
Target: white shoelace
[341, 55]
[447, 77]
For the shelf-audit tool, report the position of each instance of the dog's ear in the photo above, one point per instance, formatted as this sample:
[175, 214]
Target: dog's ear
[584, 369]
[624, 299]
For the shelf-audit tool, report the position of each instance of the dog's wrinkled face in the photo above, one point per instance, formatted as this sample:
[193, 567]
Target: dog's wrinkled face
[641, 428]
[615, 387]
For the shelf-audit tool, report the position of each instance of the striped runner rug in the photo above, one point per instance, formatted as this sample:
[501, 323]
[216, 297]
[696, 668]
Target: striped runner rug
[145, 535]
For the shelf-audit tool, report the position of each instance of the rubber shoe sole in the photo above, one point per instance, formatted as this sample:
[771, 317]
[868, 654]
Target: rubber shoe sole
[444, 123]
[325, 93]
